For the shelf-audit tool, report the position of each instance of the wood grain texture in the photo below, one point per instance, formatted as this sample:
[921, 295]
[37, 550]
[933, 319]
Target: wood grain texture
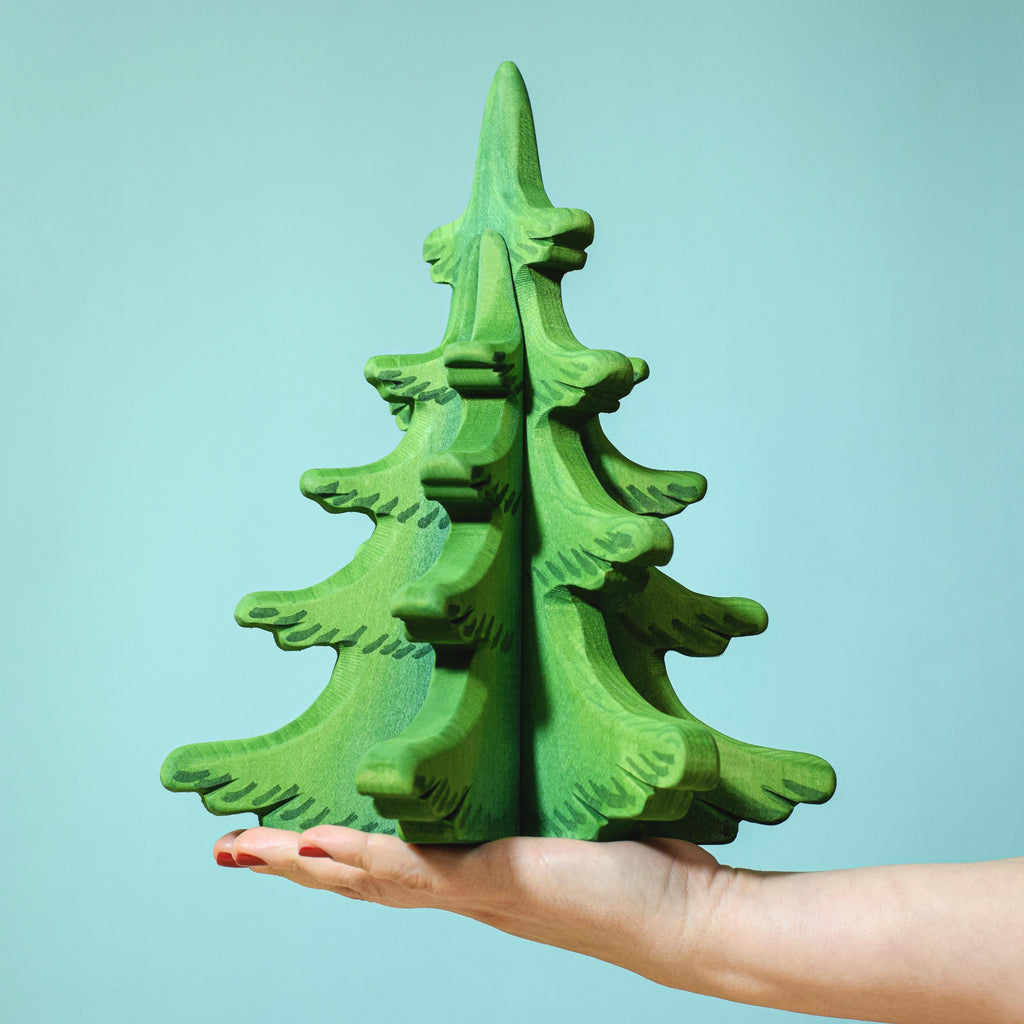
[453, 775]
[501, 636]
[304, 773]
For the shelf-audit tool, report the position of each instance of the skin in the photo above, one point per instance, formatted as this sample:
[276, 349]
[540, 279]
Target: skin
[913, 944]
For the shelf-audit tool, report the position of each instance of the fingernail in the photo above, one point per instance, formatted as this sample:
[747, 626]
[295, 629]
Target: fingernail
[247, 860]
[225, 860]
[312, 851]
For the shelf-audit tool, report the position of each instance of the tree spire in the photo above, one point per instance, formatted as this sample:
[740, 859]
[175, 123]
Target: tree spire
[507, 165]
[507, 195]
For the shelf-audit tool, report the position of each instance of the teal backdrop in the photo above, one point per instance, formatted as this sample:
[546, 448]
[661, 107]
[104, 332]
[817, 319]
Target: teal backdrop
[809, 222]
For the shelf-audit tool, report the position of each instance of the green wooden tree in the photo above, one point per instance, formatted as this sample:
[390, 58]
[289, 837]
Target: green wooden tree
[501, 636]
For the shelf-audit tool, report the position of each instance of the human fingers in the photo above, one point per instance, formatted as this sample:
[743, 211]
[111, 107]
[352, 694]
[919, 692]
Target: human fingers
[262, 847]
[269, 851]
[222, 849]
[384, 869]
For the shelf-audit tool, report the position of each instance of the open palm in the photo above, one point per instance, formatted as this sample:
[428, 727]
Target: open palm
[621, 902]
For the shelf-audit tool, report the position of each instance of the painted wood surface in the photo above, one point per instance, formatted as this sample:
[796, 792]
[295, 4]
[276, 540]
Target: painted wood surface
[501, 637]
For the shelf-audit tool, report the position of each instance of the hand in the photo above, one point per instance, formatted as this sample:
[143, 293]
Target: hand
[918, 944]
[630, 903]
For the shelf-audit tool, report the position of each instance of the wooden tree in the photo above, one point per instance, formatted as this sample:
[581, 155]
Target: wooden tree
[501, 636]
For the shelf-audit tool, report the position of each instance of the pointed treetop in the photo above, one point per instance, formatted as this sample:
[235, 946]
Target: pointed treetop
[507, 164]
[508, 195]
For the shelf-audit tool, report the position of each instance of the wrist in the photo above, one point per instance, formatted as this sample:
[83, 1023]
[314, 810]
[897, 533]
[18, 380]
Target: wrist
[685, 941]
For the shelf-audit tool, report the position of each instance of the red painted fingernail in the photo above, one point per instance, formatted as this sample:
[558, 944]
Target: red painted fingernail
[225, 860]
[312, 851]
[247, 860]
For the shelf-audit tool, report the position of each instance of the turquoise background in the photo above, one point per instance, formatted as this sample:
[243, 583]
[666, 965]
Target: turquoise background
[809, 221]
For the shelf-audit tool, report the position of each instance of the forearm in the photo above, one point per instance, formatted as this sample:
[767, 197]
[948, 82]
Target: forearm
[919, 944]
[914, 944]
